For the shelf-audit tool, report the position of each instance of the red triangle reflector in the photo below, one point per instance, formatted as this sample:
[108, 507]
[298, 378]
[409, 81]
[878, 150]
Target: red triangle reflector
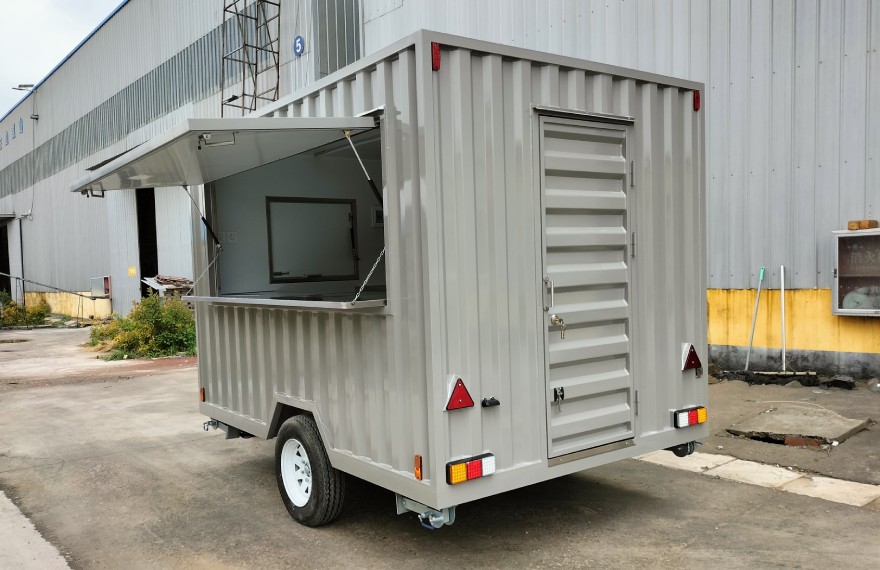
[460, 398]
[691, 360]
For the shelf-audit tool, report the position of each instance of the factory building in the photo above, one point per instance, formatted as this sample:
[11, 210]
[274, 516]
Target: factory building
[792, 119]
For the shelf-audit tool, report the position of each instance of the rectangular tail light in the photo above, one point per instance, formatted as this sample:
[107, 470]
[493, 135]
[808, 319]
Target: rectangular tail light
[690, 417]
[462, 470]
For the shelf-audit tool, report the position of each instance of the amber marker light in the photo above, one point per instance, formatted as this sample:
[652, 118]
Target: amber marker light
[417, 467]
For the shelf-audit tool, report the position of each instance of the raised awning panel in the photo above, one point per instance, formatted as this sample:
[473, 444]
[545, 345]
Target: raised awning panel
[203, 150]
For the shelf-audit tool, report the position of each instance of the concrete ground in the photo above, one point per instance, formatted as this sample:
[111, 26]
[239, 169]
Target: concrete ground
[116, 472]
[856, 459]
[31, 358]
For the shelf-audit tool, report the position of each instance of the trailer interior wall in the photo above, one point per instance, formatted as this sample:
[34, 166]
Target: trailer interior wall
[241, 218]
[464, 272]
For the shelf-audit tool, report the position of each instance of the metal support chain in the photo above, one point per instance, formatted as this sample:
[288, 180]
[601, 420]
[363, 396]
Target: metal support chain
[378, 196]
[370, 274]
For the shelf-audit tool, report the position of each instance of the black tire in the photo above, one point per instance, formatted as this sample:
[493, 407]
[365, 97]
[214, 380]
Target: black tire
[313, 501]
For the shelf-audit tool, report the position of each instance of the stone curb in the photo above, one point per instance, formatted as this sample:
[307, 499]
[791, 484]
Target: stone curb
[22, 547]
[781, 478]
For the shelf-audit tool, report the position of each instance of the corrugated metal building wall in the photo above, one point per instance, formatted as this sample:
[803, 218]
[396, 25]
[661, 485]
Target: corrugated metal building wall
[793, 144]
[114, 92]
[793, 134]
[149, 66]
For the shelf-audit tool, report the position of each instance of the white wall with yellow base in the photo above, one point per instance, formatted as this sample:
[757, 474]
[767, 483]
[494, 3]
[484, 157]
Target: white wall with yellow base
[72, 305]
[815, 339]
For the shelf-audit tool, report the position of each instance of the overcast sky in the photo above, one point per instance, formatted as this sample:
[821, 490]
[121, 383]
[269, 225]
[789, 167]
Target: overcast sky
[37, 34]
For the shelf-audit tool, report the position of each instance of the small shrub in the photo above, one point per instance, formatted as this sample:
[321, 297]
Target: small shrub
[157, 326]
[15, 315]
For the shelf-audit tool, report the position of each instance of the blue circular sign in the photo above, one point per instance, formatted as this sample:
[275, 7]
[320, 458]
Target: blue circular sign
[299, 46]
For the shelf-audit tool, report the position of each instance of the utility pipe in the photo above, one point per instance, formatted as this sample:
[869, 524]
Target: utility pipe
[782, 310]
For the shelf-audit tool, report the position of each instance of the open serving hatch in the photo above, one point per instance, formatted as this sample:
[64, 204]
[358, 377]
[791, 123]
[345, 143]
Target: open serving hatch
[204, 150]
[302, 181]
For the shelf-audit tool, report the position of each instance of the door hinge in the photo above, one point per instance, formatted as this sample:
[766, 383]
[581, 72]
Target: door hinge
[632, 173]
[632, 245]
[636, 403]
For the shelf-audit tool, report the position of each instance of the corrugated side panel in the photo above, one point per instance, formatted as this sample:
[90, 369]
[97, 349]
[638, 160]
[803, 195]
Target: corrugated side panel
[488, 232]
[339, 361]
[173, 232]
[793, 150]
[365, 372]
[669, 269]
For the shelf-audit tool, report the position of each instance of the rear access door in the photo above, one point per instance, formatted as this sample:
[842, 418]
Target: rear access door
[587, 320]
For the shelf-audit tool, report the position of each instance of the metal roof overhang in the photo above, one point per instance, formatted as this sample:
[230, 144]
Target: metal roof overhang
[203, 150]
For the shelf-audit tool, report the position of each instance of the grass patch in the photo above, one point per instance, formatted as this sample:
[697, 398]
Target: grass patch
[157, 326]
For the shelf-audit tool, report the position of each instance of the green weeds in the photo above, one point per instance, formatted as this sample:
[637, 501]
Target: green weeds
[157, 326]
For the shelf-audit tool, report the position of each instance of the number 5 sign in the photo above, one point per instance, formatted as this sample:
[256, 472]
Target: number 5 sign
[299, 46]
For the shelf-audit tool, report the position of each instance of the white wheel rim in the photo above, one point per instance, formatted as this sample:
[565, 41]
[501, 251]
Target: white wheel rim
[296, 472]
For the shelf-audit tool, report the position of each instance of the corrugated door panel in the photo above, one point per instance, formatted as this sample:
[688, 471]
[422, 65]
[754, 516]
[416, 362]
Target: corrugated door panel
[585, 245]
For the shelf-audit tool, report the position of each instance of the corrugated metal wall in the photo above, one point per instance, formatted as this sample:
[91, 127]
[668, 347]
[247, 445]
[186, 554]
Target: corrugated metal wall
[332, 32]
[350, 364]
[464, 258]
[793, 128]
[486, 215]
[152, 65]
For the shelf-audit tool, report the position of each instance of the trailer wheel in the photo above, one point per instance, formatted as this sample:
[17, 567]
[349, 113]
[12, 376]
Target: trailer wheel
[312, 490]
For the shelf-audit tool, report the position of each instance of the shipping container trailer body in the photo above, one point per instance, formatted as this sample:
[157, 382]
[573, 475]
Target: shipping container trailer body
[537, 249]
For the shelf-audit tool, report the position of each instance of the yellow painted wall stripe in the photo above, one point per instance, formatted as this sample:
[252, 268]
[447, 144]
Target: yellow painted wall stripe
[71, 305]
[809, 324]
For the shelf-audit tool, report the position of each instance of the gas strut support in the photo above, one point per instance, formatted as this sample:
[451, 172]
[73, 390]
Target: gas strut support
[372, 184]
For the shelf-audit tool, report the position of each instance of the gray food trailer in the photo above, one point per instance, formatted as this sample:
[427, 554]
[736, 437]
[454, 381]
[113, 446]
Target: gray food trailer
[451, 269]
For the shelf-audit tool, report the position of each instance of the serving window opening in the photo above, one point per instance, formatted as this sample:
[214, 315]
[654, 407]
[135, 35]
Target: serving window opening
[305, 228]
